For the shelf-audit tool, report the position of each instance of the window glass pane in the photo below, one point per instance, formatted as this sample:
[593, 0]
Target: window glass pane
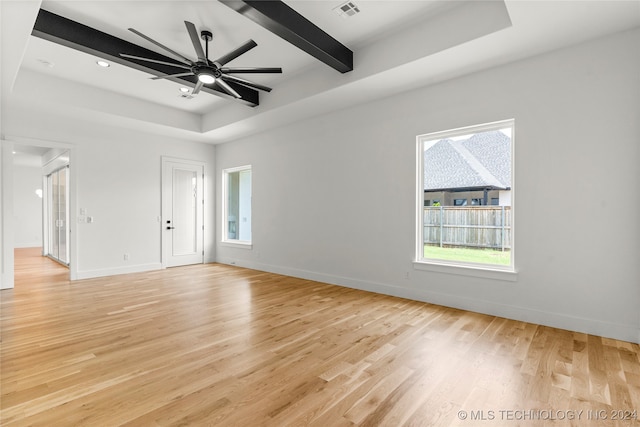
[57, 209]
[470, 171]
[62, 215]
[238, 204]
[185, 194]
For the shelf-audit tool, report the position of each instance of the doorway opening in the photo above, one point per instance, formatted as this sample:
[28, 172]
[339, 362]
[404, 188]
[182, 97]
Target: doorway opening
[40, 205]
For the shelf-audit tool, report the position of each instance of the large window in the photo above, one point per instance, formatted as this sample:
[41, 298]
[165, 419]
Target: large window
[471, 171]
[236, 199]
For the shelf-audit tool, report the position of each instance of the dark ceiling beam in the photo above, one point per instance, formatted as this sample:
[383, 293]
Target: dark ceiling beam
[66, 32]
[282, 20]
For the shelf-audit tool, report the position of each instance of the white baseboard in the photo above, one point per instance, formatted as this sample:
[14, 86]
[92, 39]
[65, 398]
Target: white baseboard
[140, 268]
[629, 333]
[6, 280]
[22, 245]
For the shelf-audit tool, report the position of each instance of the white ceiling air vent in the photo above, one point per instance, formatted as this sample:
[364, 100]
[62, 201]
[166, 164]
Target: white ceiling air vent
[347, 9]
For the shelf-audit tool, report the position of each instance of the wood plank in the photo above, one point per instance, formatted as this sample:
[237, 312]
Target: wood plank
[74, 35]
[282, 20]
[221, 345]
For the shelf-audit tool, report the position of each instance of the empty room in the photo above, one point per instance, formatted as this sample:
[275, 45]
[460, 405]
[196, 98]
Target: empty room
[320, 213]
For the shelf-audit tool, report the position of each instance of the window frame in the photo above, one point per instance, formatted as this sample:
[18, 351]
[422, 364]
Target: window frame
[492, 271]
[225, 240]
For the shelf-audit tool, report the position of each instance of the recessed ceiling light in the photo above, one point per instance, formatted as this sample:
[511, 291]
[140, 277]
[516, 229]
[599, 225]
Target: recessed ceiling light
[184, 89]
[103, 64]
[46, 63]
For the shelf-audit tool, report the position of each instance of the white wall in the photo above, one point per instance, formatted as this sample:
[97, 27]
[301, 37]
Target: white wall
[6, 215]
[116, 178]
[504, 198]
[27, 206]
[333, 197]
[119, 186]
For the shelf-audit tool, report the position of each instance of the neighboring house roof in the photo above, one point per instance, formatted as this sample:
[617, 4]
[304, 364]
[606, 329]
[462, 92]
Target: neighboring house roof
[481, 161]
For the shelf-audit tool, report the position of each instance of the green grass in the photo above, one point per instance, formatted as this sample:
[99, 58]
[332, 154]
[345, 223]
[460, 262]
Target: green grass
[483, 256]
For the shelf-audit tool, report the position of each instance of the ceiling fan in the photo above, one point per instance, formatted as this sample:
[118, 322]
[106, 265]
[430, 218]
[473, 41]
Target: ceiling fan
[208, 72]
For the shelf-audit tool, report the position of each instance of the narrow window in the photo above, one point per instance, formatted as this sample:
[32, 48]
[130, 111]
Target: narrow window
[470, 232]
[236, 184]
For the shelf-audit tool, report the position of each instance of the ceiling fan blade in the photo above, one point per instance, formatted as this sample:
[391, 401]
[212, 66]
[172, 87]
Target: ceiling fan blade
[251, 70]
[247, 83]
[167, 76]
[248, 45]
[197, 88]
[186, 67]
[149, 39]
[195, 40]
[228, 88]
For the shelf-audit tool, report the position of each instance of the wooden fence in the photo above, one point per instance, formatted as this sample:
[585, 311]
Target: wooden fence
[468, 226]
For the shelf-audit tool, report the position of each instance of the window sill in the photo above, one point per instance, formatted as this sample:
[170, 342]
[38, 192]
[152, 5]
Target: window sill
[236, 244]
[467, 270]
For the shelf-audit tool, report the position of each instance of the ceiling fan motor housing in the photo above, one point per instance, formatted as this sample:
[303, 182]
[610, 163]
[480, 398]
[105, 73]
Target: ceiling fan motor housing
[206, 35]
[202, 68]
[208, 72]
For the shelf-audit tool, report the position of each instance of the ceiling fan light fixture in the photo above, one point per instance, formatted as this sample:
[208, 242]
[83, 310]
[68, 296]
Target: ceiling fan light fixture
[206, 78]
[206, 71]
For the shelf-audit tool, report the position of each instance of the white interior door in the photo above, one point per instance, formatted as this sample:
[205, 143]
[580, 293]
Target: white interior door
[182, 212]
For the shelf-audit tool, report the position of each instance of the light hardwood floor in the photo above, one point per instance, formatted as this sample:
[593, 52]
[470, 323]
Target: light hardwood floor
[215, 345]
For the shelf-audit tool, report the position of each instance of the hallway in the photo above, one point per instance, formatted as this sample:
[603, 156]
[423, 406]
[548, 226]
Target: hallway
[32, 270]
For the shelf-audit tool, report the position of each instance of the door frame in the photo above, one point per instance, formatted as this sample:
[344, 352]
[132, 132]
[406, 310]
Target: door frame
[165, 160]
[7, 209]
